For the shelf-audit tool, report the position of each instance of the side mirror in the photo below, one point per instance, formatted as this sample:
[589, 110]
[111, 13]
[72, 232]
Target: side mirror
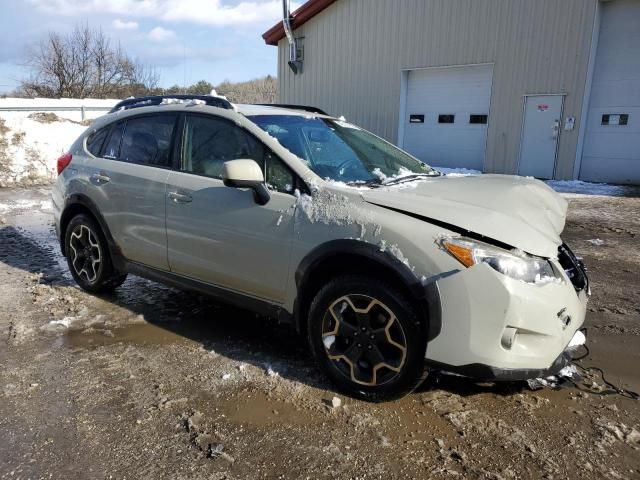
[246, 174]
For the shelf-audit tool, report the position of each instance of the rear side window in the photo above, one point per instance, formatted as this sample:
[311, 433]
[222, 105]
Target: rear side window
[209, 142]
[96, 140]
[147, 140]
[112, 147]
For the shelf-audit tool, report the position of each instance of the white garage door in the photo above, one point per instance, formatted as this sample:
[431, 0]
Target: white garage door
[612, 138]
[447, 111]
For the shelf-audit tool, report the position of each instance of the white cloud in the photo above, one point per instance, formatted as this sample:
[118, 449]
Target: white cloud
[159, 34]
[205, 12]
[124, 24]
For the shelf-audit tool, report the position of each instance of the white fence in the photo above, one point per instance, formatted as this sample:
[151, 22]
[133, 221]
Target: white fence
[70, 108]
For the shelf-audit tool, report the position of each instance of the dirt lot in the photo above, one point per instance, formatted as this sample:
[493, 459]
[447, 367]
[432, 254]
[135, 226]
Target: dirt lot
[155, 383]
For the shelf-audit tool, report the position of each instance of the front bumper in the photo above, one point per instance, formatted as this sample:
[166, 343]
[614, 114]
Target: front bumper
[488, 373]
[498, 328]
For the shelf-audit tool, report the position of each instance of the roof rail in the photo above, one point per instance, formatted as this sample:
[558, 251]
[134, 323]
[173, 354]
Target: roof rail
[149, 101]
[305, 108]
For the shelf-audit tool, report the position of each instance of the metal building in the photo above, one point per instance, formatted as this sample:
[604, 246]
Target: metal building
[548, 88]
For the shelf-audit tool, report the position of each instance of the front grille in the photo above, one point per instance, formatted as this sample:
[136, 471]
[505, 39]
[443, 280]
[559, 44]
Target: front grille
[573, 267]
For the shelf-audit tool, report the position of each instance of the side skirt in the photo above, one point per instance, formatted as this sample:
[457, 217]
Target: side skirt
[259, 306]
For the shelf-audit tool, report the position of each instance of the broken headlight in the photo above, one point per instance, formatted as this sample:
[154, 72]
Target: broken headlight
[512, 263]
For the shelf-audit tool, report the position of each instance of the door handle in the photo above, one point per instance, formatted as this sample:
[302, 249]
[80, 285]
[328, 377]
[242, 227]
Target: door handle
[100, 178]
[179, 197]
[555, 130]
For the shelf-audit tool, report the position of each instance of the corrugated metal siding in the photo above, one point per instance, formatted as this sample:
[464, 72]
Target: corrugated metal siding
[355, 51]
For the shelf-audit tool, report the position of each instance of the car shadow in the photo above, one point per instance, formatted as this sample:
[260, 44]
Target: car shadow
[232, 332]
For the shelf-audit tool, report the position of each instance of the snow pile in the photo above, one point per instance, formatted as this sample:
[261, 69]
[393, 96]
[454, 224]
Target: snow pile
[587, 188]
[457, 172]
[577, 340]
[543, 279]
[30, 148]
[596, 241]
[189, 102]
[402, 172]
[331, 208]
[93, 107]
[22, 204]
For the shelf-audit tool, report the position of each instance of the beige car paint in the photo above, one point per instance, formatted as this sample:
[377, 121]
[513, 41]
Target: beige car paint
[256, 249]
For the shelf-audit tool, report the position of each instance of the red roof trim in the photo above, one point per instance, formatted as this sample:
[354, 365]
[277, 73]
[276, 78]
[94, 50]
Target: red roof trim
[301, 16]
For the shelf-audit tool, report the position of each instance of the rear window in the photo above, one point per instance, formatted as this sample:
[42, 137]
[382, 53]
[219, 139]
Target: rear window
[147, 140]
[112, 147]
[96, 140]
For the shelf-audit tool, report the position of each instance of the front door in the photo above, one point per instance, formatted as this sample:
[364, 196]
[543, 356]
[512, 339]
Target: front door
[540, 132]
[220, 235]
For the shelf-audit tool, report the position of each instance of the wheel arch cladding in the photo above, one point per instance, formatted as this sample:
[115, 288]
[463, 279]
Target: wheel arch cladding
[342, 257]
[81, 204]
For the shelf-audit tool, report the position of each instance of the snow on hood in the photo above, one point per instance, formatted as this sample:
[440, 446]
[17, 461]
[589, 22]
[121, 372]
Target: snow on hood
[521, 212]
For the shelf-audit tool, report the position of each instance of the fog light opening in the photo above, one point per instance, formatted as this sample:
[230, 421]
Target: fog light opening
[564, 318]
[509, 337]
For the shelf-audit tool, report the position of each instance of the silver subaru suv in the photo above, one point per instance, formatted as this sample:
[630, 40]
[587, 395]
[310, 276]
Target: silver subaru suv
[385, 266]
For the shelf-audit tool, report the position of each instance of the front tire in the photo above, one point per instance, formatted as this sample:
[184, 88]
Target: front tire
[368, 338]
[88, 256]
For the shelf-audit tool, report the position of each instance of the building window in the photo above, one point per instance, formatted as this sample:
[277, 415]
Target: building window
[615, 119]
[446, 118]
[478, 119]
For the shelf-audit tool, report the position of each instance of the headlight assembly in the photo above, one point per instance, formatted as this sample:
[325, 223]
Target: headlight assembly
[515, 264]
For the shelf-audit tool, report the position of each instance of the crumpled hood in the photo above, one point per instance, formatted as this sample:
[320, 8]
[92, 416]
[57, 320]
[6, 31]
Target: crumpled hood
[521, 212]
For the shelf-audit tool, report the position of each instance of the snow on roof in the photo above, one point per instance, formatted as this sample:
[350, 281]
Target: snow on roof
[248, 110]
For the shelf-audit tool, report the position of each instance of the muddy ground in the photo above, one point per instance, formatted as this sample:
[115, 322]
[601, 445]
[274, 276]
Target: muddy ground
[156, 383]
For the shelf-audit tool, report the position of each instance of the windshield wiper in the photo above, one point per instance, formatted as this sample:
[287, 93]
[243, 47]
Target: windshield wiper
[371, 184]
[408, 178]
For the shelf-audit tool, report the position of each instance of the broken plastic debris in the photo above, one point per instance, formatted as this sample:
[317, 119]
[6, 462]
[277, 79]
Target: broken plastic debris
[570, 371]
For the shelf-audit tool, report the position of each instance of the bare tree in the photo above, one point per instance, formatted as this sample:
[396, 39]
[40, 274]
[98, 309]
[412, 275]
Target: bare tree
[260, 90]
[84, 63]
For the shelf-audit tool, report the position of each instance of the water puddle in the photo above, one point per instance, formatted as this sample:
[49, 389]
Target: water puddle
[259, 410]
[140, 334]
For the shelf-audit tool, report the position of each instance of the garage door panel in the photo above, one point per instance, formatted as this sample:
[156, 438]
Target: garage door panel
[616, 92]
[611, 170]
[459, 91]
[611, 153]
[594, 123]
[614, 145]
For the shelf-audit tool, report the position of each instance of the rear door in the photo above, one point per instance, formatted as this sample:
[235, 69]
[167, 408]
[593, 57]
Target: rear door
[129, 183]
[220, 235]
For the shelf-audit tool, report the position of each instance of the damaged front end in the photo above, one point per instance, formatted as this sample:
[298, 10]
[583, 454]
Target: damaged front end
[514, 316]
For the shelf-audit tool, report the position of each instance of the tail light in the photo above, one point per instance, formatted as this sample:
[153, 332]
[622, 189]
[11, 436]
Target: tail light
[63, 162]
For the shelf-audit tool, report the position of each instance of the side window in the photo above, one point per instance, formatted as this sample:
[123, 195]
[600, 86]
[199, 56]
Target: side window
[96, 140]
[147, 140]
[208, 142]
[112, 147]
[278, 176]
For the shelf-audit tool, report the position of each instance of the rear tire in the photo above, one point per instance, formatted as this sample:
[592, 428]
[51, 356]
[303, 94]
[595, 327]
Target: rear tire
[88, 256]
[367, 338]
